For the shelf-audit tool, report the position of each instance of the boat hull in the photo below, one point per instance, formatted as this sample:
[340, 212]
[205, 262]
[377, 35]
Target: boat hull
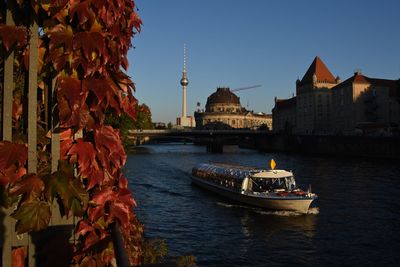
[297, 204]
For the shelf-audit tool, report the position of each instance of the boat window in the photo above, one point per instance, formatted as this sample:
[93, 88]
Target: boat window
[263, 185]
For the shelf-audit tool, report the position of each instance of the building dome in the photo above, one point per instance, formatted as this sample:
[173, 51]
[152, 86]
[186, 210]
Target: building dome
[223, 96]
[223, 111]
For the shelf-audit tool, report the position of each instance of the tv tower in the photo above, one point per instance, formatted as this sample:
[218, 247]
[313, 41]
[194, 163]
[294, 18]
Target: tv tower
[184, 83]
[184, 120]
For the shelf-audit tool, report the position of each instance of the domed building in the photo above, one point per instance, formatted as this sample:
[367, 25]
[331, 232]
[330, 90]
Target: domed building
[223, 111]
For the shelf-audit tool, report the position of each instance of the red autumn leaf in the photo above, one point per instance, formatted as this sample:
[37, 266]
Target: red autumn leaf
[59, 59]
[71, 98]
[107, 255]
[81, 118]
[113, 205]
[123, 82]
[85, 153]
[31, 185]
[83, 11]
[18, 256]
[88, 261]
[20, 2]
[65, 146]
[91, 43]
[66, 134]
[71, 89]
[17, 108]
[11, 153]
[125, 196]
[107, 194]
[124, 63]
[65, 110]
[53, 7]
[84, 227]
[135, 21]
[32, 216]
[128, 104]
[109, 144]
[60, 35]
[93, 233]
[66, 142]
[123, 182]
[10, 35]
[120, 211]
[99, 86]
[11, 175]
[95, 176]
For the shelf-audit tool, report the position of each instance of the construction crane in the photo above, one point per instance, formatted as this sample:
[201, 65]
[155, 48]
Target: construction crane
[245, 88]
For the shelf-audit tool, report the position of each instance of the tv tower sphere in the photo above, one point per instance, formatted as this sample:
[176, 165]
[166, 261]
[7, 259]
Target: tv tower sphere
[184, 80]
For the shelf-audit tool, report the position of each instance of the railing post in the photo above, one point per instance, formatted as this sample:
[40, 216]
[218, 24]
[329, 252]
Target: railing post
[32, 116]
[8, 88]
[8, 85]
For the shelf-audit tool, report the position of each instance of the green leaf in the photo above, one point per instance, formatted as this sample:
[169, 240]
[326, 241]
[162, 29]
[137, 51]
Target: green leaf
[71, 191]
[77, 196]
[58, 184]
[6, 200]
[32, 216]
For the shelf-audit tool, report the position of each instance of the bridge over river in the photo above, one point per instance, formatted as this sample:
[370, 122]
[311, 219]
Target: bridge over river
[215, 140]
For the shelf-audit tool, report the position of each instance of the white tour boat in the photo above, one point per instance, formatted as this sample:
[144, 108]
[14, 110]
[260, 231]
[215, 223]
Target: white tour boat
[270, 189]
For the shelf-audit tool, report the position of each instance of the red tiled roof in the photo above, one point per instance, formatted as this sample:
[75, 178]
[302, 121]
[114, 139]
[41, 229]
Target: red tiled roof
[318, 68]
[358, 78]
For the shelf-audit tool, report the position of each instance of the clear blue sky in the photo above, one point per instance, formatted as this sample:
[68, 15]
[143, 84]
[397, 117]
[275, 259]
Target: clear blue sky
[242, 43]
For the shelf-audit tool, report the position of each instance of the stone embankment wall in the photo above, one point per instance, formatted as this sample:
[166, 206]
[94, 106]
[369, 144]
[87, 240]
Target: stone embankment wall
[357, 146]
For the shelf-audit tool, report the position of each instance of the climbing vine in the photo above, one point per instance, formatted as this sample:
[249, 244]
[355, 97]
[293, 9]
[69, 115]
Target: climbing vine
[83, 47]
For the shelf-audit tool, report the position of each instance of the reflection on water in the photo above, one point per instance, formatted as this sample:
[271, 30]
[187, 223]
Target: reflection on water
[355, 220]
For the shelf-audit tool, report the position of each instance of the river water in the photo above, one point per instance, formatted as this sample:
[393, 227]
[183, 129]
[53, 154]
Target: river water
[354, 222]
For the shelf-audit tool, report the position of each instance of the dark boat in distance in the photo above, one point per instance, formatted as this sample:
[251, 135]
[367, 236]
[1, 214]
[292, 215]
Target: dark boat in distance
[269, 189]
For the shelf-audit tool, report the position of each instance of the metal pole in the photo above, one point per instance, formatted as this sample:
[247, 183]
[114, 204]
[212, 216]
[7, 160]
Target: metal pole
[118, 243]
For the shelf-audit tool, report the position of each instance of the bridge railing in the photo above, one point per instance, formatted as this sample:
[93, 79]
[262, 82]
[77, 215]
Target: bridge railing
[193, 131]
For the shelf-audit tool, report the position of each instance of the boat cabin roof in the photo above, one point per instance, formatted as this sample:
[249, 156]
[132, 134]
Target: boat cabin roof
[272, 174]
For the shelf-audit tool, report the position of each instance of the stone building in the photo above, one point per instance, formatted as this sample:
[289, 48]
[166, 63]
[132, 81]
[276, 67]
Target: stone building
[313, 99]
[224, 111]
[365, 105]
[284, 115]
[325, 105]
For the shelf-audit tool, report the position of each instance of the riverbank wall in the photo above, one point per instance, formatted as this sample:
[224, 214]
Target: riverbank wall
[352, 146]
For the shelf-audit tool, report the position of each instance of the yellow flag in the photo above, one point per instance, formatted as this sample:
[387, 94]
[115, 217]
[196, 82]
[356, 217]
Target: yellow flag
[273, 164]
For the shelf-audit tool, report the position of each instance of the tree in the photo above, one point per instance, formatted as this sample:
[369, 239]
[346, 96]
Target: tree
[125, 123]
[83, 48]
[143, 118]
